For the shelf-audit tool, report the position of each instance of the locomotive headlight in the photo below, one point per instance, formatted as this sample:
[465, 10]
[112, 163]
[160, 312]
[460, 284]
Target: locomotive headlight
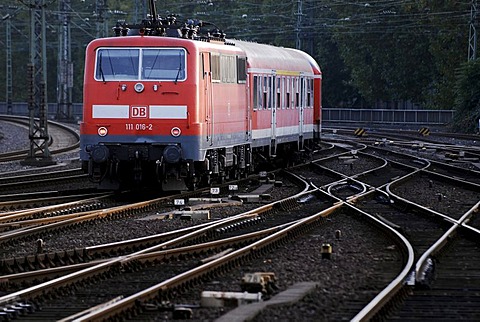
[175, 131]
[102, 131]
[139, 87]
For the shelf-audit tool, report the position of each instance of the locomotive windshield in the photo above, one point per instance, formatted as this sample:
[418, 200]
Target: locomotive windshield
[140, 64]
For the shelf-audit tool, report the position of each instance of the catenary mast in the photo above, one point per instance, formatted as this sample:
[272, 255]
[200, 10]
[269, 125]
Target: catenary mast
[37, 97]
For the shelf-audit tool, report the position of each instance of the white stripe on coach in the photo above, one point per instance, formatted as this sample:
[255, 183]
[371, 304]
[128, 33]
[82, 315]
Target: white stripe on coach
[281, 131]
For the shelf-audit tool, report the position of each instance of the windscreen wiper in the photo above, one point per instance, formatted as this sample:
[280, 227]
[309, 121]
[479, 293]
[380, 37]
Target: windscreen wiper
[101, 69]
[179, 68]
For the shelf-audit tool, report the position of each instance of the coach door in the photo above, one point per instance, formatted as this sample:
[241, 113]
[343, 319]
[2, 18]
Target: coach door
[271, 88]
[301, 107]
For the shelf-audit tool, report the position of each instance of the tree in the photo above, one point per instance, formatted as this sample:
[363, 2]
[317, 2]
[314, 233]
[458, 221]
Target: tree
[337, 90]
[386, 50]
[447, 25]
[467, 102]
[380, 50]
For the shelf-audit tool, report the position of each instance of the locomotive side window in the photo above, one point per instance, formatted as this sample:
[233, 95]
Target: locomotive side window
[215, 67]
[136, 64]
[115, 64]
[228, 68]
[163, 64]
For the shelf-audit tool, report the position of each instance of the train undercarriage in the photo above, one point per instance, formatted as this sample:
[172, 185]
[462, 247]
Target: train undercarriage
[120, 166]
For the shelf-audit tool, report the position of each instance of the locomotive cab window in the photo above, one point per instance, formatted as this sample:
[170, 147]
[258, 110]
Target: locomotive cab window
[163, 64]
[116, 64]
[141, 64]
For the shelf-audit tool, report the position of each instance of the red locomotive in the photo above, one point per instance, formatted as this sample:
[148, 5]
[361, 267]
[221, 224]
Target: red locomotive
[176, 107]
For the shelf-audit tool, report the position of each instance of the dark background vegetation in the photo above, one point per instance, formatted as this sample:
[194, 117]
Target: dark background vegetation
[370, 51]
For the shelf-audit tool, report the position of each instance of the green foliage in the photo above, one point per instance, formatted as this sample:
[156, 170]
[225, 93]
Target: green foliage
[368, 50]
[467, 102]
[336, 89]
[403, 50]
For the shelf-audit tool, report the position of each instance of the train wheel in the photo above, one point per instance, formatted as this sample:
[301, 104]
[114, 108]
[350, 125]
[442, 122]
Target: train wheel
[205, 180]
[192, 186]
[234, 174]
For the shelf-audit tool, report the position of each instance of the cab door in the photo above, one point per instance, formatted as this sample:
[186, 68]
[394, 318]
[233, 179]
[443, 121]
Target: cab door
[208, 97]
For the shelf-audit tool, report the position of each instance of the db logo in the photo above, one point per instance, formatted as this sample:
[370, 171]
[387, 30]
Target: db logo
[138, 112]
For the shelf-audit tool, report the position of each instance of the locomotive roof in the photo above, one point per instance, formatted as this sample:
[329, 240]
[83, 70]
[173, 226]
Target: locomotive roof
[259, 56]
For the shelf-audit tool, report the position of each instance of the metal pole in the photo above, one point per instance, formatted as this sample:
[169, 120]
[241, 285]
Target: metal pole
[299, 14]
[9, 92]
[101, 23]
[472, 37]
[39, 154]
[65, 66]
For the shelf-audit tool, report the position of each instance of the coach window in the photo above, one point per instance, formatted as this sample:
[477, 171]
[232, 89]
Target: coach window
[265, 92]
[261, 102]
[282, 92]
[271, 91]
[302, 92]
[279, 92]
[258, 92]
[255, 92]
[295, 91]
[309, 92]
[287, 92]
[241, 70]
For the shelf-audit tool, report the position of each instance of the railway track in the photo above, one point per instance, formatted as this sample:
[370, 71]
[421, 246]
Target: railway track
[141, 217]
[65, 179]
[62, 138]
[384, 190]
